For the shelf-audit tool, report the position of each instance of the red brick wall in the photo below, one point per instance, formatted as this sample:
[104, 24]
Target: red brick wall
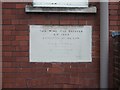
[18, 72]
[114, 8]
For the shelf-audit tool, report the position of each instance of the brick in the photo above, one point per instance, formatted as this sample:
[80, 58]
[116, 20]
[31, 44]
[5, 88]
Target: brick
[84, 75]
[22, 48]
[67, 16]
[39, 21]
[114, 28]
[10, 70]
[6, 16]
[7, 21]
[19, 22]
[9, 75]
[15, 22]
[39, 70]
[8, 27]
[9, 11]
[23, 16]
[40, 16]
[26, 33]
[7, 54]
[58, 85]
[75, 80]
[20, 11]
[20, 33]
[6, 43]
[8, 37]
[22, 59]
[23, 22]
[10, 65]
[113, 23]
[26, 65]
[54, 21]
[19, 6]
[21, 28]
[20, 54]
[83, 70]
[15, 43]
[68, 22]
[8, 48]
[46, 65]
[6, 64]
[6, 32]
[93, 65]
[25, 70]
[90, 22]
[41, 82]
[61, 79]
[9, 85]
[113, 3]
[68, 86]
[113, 7]
[55, 70]
[86, 17]
[113, 12]
[83, 22]
[22, 38]
[24, 43]
[89, 84]
[9, 80]
[78, 65]
[114, 17]
[8, 58]
[8, 5]
[21, 83]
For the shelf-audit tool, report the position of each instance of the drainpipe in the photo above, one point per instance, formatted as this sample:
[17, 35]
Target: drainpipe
[104, 43]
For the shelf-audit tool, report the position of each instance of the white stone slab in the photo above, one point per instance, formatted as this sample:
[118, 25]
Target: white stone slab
[31, 9]
[60, 3]
[60, 43]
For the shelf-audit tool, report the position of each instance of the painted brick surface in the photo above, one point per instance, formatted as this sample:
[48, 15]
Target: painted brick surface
[18, 72]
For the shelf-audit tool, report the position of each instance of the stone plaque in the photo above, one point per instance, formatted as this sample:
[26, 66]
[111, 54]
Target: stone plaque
[60, 3]
[53, 43]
